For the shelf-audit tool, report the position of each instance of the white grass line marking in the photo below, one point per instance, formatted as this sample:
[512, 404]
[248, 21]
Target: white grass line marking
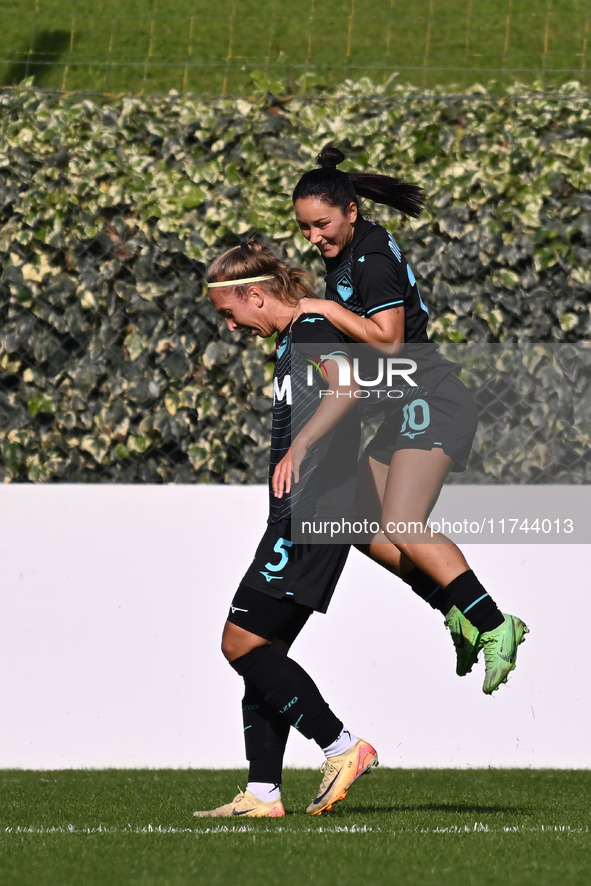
[477, 827]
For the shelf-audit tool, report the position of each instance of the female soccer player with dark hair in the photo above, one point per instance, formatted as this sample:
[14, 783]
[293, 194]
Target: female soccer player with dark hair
[258, 294]
[372, 297]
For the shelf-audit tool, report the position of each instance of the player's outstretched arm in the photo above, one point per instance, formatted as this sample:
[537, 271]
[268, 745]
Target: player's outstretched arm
[385, 331]
[337, 399]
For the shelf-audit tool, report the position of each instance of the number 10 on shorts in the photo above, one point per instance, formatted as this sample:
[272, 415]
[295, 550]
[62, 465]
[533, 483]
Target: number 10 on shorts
[416, 418]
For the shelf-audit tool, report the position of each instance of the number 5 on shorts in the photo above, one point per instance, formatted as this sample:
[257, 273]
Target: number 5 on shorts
[281, 547]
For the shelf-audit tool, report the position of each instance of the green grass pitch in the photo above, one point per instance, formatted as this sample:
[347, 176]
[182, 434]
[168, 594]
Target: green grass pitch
[127, 827]
[194, 46]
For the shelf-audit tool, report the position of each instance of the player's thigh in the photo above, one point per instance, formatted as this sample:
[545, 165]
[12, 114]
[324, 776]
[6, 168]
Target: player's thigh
[415, 478]
[373, 476]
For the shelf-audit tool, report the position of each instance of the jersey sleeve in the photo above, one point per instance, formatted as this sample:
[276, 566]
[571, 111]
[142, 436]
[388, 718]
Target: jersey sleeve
[378, 282]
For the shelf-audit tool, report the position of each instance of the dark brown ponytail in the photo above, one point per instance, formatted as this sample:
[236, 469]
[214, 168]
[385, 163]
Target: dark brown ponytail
[342, 188]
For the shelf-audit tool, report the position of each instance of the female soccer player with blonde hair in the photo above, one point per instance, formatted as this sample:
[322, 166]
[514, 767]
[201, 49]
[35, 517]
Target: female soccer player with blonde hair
[258, 294]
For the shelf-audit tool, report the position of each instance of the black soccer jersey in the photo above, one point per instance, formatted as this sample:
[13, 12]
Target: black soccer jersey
[322, 489]
[371, 275]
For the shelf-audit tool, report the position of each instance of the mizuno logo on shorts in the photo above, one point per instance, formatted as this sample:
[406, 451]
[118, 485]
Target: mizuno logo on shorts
[270, 577]
[237, 609]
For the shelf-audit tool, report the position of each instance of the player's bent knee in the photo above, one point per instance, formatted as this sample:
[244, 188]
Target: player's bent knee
[237, 642]
[402, 529]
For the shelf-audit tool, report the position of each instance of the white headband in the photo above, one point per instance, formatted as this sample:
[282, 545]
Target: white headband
[237, 282]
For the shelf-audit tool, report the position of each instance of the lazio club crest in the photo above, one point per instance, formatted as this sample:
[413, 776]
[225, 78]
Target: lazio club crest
[345, 287]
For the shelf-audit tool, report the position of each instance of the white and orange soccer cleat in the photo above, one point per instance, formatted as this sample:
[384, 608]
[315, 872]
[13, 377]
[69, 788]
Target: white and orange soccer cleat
[247, 805]
[340, 773]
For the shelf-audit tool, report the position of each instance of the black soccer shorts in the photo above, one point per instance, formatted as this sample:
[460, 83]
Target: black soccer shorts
[306, 574]
[445, 418]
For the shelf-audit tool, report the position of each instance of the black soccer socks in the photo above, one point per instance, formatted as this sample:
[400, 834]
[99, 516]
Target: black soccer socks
[265, 737]
[290, 691]
[472, 599]
[428, 590]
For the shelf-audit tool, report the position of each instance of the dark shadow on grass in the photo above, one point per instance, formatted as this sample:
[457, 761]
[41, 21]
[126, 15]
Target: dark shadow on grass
[451, 808]
[48, 49]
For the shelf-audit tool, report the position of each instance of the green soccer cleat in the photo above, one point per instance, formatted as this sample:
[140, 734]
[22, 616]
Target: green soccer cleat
[247, 805]
[500, 651]
[340, 773]
[465, 638]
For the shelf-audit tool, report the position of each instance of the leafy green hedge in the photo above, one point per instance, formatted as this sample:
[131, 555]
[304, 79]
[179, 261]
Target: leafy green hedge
[114, 366]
